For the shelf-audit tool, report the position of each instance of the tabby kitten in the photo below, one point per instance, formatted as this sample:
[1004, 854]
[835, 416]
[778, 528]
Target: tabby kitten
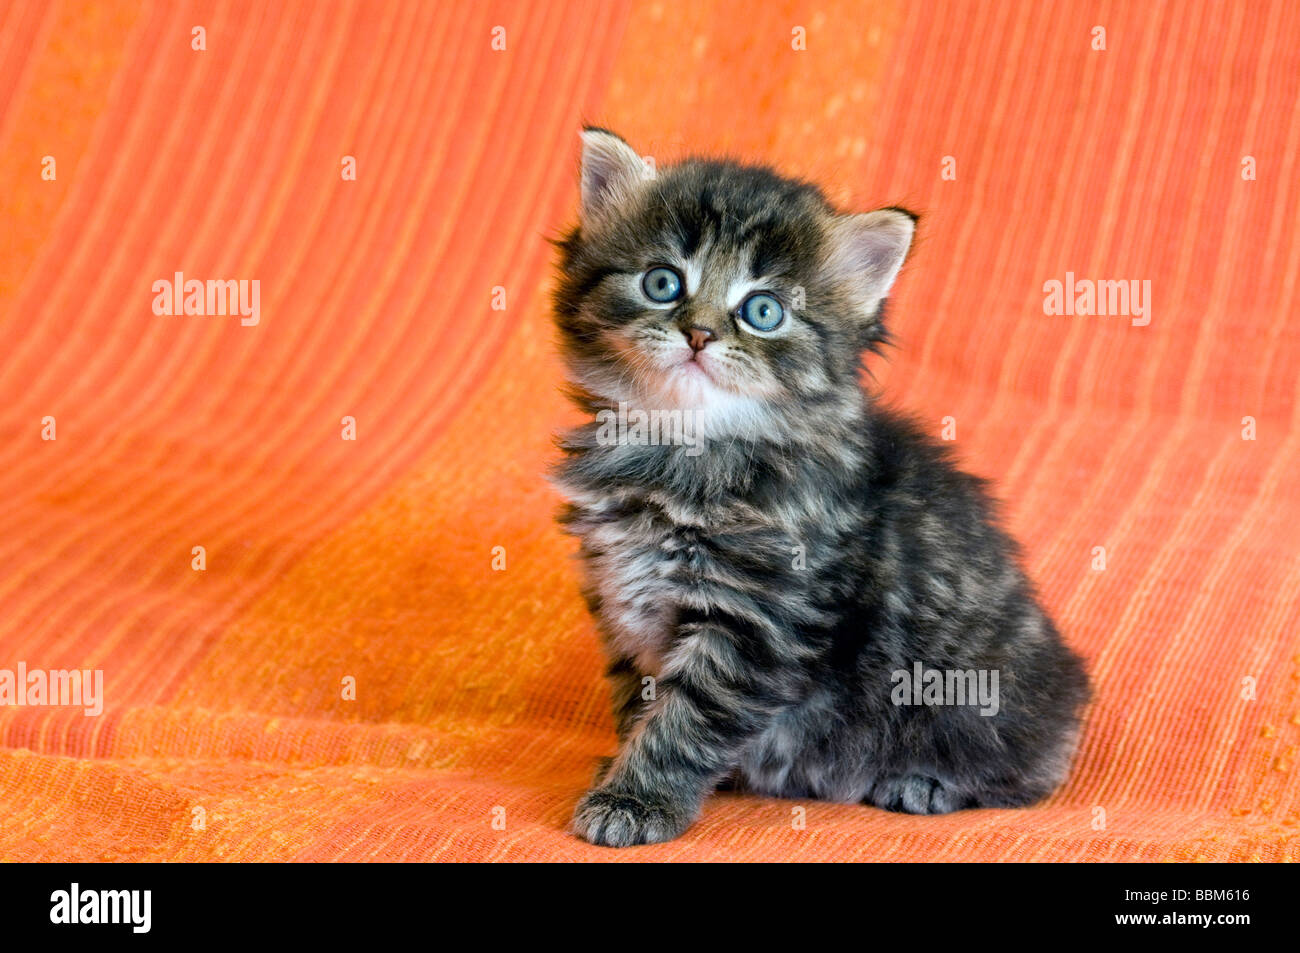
[792, 603]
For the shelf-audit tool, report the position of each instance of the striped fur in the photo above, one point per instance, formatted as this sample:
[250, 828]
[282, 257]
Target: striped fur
[756, 599]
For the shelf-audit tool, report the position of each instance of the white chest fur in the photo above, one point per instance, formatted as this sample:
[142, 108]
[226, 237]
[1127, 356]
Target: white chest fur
[642, 571]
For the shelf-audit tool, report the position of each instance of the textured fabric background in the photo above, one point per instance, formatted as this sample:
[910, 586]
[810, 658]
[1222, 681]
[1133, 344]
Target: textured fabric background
[478, 692]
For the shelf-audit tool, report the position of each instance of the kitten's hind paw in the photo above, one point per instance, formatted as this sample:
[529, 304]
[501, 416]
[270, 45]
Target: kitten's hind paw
[916, 794]
[613, 819]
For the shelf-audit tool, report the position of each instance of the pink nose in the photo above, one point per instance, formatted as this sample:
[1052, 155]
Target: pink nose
[698, 337]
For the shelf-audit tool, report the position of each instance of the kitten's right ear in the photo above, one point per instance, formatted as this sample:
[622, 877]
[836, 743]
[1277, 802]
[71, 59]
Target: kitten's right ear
[612, 172]
[867, 250]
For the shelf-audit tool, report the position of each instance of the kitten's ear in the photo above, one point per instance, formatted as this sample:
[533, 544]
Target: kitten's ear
[867, 250]
[611, 173]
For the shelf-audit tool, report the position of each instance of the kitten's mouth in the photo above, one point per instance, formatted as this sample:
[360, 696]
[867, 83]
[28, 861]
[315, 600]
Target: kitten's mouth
[695, 368]
[690, 381]
[696, 375]
[680, 375]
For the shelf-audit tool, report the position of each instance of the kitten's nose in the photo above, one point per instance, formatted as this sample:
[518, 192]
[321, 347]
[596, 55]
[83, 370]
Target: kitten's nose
[698, 337]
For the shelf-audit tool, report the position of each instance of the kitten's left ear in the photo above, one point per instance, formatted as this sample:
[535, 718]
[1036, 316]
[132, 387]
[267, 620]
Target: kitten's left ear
[611, 173]
[867, 250]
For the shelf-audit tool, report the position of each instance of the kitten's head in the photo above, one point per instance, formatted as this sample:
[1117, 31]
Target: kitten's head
[719, 287]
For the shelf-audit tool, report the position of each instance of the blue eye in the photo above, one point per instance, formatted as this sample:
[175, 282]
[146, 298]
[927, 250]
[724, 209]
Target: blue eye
[662, 285]
[762, 312]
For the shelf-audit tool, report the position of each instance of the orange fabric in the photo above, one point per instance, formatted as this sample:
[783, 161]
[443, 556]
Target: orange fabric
[478, 692]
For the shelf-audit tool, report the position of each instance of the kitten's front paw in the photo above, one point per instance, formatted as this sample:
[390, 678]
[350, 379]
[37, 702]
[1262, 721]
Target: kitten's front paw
[613, 819]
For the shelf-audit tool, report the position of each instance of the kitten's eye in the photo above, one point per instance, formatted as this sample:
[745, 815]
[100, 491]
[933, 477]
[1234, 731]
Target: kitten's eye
[662, 285]
[762, 312]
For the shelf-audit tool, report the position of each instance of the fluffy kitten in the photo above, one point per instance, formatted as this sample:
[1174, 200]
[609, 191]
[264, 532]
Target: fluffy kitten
[765, 594]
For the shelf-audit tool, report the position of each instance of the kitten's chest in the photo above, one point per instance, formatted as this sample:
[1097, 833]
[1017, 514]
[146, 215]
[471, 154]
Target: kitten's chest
[643, 568]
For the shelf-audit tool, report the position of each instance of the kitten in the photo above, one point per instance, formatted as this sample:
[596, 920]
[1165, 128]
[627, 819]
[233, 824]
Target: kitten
[784, 601]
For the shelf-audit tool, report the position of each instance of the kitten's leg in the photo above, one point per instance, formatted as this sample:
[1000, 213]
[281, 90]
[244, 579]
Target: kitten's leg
[602, 769]
[728, 782]
[625, 689]
[713, 696]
